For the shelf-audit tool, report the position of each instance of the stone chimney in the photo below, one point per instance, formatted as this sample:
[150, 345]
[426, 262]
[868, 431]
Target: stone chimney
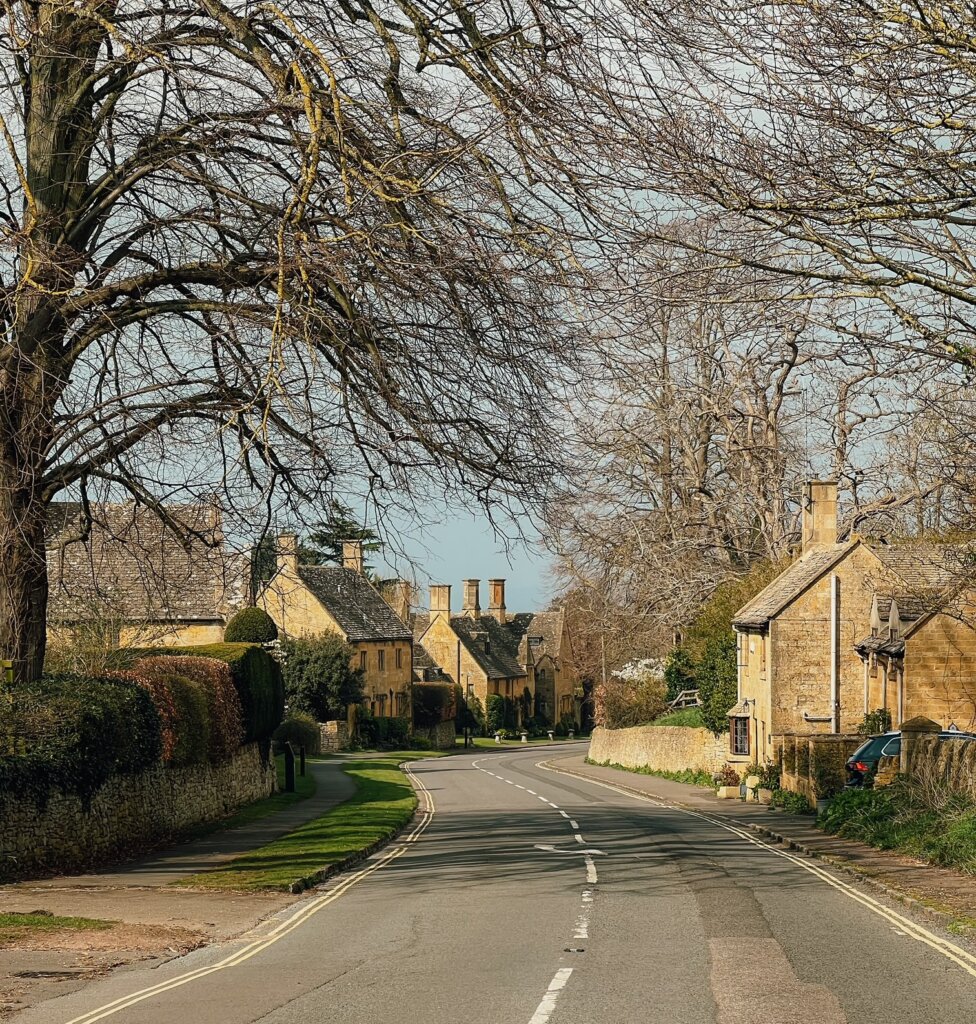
[471, 607]
[819, 522]
[352, 555]
[440, 600]
[496, 600]
[397, 594]
[287, 552]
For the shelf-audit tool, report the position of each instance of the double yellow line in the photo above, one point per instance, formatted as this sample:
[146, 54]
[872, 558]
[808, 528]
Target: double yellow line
[287, 926]
[948, 949]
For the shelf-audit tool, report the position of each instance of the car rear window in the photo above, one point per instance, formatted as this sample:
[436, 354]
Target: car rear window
[892, 748]
[871, 749]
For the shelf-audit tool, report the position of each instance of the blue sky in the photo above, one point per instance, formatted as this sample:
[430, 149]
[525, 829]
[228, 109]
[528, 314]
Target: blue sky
[464, 546]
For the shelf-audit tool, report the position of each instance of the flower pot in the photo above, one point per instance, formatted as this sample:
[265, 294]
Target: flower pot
[823, 803]
[765, 796]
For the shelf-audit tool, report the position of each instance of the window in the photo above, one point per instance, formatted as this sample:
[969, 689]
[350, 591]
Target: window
[740, 735]
[399, 657]
[381, 660]
[362, 660]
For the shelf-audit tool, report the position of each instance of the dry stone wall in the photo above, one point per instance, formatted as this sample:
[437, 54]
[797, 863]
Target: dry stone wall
[128, 814]
[667, 748]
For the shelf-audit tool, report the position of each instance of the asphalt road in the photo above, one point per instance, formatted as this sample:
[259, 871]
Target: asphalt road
[530, 897]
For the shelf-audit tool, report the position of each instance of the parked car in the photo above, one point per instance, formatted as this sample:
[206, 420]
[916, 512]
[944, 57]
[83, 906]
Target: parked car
[863, 763]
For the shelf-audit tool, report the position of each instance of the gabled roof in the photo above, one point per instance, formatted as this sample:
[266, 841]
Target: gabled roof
[126, 561]
[354, 603]
[789, 585]
[923, 567]
[538, 634]
[493, 646]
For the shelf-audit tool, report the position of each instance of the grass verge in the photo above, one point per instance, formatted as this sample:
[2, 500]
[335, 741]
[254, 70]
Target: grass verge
[383, 803]
[690, 718]
[897, 818]
[689, 777]
[14, 927]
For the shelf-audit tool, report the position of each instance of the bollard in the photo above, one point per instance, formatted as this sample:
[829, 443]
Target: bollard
[301, 760]
[289, 769]
[551, 737]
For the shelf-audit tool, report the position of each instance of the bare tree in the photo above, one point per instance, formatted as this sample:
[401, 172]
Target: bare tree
[284, 248]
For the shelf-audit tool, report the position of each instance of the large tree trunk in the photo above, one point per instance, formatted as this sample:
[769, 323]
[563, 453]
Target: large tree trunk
[25, 425]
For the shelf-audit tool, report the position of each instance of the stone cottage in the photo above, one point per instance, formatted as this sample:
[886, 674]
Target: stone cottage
[305, 600]
[801, 641]
[494, 652]
[120, 570]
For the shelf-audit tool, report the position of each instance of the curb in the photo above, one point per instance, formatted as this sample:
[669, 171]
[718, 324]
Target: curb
[940, 917]
[317, 877]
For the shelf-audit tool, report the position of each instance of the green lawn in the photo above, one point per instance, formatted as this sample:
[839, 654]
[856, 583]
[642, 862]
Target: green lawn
[19, 926]
[488, 742]
[383, 802]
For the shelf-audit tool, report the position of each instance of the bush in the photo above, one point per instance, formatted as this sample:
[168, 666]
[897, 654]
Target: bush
[679, 673]
[319, 678]
[256, 676]
[875, 722]
[300, 731]
[431, 704]
[634, 695]
[420, 743]
[392, 733]
[494, 712]
[827, 774]
[74, 732]
[225, 731]
[728, 776]
[251, 626]
[792, 803]
[690, 718]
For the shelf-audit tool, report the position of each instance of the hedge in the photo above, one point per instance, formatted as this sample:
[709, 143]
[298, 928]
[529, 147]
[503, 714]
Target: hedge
[300, 731]
[256, 676]
[251, 626]
[75, 733]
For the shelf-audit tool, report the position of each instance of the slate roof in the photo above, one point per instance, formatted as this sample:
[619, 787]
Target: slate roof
[354, 603]
[494, 647]
[127, 562]
[923, 567]
[788, 586]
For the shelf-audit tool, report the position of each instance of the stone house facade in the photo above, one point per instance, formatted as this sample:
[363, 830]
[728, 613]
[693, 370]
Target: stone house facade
[803, 666]
[307, 600]
[494, 652]
[121, 571]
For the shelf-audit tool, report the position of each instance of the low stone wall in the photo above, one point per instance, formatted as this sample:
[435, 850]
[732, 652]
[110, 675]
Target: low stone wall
[334, 736]
[128, 814]
[666, 748]
[811, 763]
[442, 736]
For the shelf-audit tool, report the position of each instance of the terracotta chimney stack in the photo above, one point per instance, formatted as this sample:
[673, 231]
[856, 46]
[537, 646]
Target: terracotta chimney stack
[352, 555]
[819, 519]
[440, 600]
[472, 599]
[496, 600]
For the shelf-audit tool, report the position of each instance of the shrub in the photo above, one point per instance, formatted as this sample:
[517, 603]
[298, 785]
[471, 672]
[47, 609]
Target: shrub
[827, 773]
[75, 733]
[875, 722]
[226, 726]
[367, 728]
[431, 704]
[319, 678]
[392, 733]
[728, 776]
[769, 776]
[679, 673]
[792, 803]
[256, 676]
[495, 712]
[690, 718]
[300, 731]
[251, 626]
[634, 695]
[420, 743]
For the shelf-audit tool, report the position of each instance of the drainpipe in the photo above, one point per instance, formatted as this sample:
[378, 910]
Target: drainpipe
[867, 685]
[835, 652]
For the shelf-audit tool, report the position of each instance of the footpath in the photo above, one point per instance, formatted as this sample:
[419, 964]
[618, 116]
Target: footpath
[154, 919]
[947, 897]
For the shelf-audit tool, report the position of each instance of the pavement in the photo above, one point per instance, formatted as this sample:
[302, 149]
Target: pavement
[525, 895]
[156, 921]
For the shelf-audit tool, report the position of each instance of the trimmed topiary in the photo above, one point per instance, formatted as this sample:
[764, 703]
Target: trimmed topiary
[251, 626]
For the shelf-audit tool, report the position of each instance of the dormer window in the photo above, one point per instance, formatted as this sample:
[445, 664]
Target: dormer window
[535, 641]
